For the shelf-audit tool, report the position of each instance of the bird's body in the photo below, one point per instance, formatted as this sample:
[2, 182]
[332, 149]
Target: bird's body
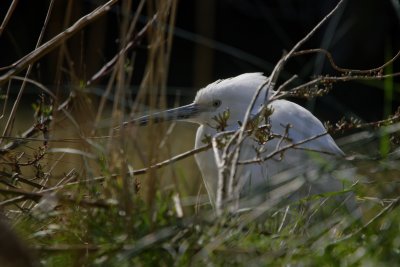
[288, 119]
[253, 177]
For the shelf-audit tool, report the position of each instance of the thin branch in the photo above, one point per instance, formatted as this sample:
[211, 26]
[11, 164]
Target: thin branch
[221, 165]
[36, 83]
[285, 84]
[68, 248]
[36, 196]
[56, 41]
[284, 148]
[134, 172]
[279, 66]
[25, 137]
[171, 160]
[327, 79]
[6, 98]
[19, 178]
[68, 140]
[11, 117]
[351, 74]
[344, 70]
[284, 137]
[8, 16]
[283, 219]
[109, 65]
[389, 207]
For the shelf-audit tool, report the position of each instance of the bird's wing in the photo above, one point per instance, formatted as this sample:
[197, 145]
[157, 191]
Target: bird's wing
[293, 162]
[255, 178]
[303, 125]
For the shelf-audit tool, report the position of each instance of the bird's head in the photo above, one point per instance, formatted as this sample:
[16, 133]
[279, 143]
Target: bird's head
[233, 95]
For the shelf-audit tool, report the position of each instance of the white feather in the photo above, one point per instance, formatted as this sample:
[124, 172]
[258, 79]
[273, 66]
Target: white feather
[236, 94]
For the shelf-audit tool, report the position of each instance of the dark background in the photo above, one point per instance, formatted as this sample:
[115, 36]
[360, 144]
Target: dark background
[224, 38]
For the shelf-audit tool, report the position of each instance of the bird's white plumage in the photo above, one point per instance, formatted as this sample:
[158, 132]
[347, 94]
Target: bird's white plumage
[235, 94]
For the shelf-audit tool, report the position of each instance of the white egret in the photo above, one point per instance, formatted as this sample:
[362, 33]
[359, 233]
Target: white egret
[235, 94]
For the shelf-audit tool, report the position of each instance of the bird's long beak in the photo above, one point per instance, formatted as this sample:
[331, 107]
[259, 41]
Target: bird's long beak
[180, 113]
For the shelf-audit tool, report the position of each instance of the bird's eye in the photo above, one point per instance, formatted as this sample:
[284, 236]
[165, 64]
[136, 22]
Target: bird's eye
[216, 103]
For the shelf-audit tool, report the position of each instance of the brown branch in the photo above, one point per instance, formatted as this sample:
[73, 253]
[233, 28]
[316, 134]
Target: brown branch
[147, 241]
[344, 70]
[68, 248]
[344, 125]
[332, 79]
[8, 16]
[279, 66]
[171, 160]
[285, 84]
[69, 140]
[56, 41]
[25, 137]
[108, 66]
[35, 83]
[11, 117]
[36, 196]
[350, 74]
[284, 148]
[18, 177]
[29, 195]
[134, 172]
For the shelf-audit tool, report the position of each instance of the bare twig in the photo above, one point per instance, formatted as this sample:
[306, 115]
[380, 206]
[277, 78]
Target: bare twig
[284, 148]
[10, 121]
[18, 177]
[221, 166]
[283, 137]
[345, 70]
[348, 74]
[56, 41]
[36, 196]
[285, 84]
[36, 83]
[130, 45]
[10, 11]
[68, 248]
[25, 137]
[330, 79]
[279, 66]
[68, 140]
[134, 172]
[172, 160]
[107, 68]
